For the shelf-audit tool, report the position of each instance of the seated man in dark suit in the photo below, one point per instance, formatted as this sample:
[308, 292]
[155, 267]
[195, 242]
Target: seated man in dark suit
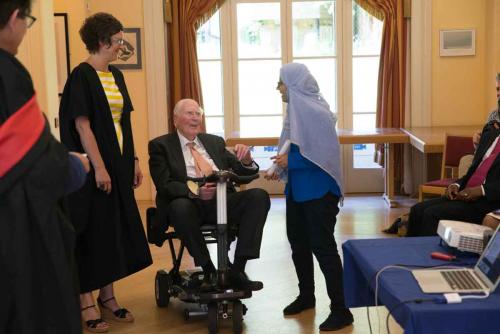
[472, 197]
[493, 116]
[187, 152]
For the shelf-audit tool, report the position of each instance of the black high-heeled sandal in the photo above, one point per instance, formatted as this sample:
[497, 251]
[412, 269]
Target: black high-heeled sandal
[92, 324]
[121, 314]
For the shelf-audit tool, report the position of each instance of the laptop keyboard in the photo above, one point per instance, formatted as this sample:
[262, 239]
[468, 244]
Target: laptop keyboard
[461, 280]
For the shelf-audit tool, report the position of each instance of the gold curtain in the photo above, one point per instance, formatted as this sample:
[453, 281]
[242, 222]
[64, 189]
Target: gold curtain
[371, 9]
[184, 76]
[392, 71]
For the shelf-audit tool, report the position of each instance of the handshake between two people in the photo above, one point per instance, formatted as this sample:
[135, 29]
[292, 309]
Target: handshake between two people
[468, 194]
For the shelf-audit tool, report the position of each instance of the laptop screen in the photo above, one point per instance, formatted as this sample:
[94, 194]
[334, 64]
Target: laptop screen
[489, 263]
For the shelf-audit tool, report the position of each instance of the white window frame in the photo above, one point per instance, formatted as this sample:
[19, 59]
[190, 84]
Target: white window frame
[229, 55]
[234, 58]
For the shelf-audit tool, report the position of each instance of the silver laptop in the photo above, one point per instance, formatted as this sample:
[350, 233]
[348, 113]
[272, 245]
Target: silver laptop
[484, 277]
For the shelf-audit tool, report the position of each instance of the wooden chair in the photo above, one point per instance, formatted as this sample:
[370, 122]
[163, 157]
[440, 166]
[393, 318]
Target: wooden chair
[455, 147]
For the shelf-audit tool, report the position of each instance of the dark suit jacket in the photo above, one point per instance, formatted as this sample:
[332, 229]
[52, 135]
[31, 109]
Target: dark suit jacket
[492, 182]
[168, 169]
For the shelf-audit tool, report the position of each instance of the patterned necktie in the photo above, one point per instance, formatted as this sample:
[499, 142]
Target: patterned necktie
[480, 173]
[201, 164]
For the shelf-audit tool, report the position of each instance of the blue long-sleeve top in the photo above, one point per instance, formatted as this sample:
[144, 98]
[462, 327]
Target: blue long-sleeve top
[307, 181]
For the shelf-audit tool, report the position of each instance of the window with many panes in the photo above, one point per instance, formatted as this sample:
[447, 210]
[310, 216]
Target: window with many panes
[261, 35]
[366, 40]
[210, 66]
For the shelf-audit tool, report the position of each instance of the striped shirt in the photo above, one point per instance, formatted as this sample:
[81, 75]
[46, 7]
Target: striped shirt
[115, 101]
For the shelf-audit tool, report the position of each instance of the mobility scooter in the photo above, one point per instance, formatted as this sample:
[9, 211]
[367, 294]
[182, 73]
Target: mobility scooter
[224, 301]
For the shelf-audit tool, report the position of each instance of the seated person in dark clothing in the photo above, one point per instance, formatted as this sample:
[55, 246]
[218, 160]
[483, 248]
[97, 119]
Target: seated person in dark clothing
[493, 116]
[472, 197]
[189, 153]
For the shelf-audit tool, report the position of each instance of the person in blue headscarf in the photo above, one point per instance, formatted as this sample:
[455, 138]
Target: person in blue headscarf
[311, 170]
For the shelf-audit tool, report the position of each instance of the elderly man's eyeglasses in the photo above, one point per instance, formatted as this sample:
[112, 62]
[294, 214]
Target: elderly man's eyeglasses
[30, 20]
[119, 41]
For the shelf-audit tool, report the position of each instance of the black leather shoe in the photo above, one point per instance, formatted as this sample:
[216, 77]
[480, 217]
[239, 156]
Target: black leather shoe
[241, 281]
[155, 236]
[300, 304]
[336, 320]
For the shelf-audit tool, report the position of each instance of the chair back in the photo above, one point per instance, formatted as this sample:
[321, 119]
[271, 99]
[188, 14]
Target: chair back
[455, 147]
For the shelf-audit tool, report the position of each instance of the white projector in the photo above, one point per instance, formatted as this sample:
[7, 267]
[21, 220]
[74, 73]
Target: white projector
[464, 236]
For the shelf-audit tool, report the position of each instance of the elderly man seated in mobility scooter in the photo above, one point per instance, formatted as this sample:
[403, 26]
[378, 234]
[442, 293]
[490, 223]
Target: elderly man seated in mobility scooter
[176, 158]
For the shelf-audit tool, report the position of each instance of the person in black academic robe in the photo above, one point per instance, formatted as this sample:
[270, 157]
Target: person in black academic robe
[38, 285]
[111, 243]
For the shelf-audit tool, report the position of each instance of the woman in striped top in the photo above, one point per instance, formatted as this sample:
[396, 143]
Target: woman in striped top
[95, 119]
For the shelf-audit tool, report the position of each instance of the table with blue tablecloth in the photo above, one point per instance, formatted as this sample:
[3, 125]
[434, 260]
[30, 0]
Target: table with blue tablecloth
[364, 258]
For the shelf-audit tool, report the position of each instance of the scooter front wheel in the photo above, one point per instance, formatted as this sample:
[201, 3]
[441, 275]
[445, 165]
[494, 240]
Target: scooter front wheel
[237, 317]
[213, 317]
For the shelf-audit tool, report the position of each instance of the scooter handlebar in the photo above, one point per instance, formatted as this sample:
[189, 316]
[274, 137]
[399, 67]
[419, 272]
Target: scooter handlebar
[227, 175]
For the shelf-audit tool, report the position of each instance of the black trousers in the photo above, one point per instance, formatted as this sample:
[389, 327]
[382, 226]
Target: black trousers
[424, 216]
[310, 226]
[248, 209]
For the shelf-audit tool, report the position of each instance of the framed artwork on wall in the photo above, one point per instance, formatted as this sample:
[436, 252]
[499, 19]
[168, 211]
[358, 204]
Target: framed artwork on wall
[62, 50]
[130, 56]
[457, 42]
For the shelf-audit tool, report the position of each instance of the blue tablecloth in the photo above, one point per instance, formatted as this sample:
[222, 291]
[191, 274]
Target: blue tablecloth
[364, 258]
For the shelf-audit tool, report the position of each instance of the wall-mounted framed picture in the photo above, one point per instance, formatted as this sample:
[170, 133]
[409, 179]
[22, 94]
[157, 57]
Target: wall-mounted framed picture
[62, 50]
[130, 56]
[457, 42]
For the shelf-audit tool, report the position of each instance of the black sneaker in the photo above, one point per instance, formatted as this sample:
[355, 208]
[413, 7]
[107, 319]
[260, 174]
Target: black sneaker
[241, 281]
[300, 304]
[336, 320]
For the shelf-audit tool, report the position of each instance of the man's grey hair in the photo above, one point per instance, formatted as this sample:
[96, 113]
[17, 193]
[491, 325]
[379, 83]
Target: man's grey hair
[498, 76]
[180, 105]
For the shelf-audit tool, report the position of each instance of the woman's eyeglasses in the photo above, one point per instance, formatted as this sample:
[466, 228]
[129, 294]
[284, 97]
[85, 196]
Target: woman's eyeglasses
[119, 41]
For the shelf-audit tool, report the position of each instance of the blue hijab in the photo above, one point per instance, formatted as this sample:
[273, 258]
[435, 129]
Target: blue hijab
[309, 123]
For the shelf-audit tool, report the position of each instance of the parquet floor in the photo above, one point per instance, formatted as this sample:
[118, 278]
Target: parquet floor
[360, 217]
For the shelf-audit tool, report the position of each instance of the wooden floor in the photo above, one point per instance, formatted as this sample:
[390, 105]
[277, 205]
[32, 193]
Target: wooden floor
[360, 217]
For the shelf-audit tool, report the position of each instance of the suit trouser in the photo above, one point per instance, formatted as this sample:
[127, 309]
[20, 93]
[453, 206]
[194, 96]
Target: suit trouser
[248, 209]
[424, 216]
[310, 226]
